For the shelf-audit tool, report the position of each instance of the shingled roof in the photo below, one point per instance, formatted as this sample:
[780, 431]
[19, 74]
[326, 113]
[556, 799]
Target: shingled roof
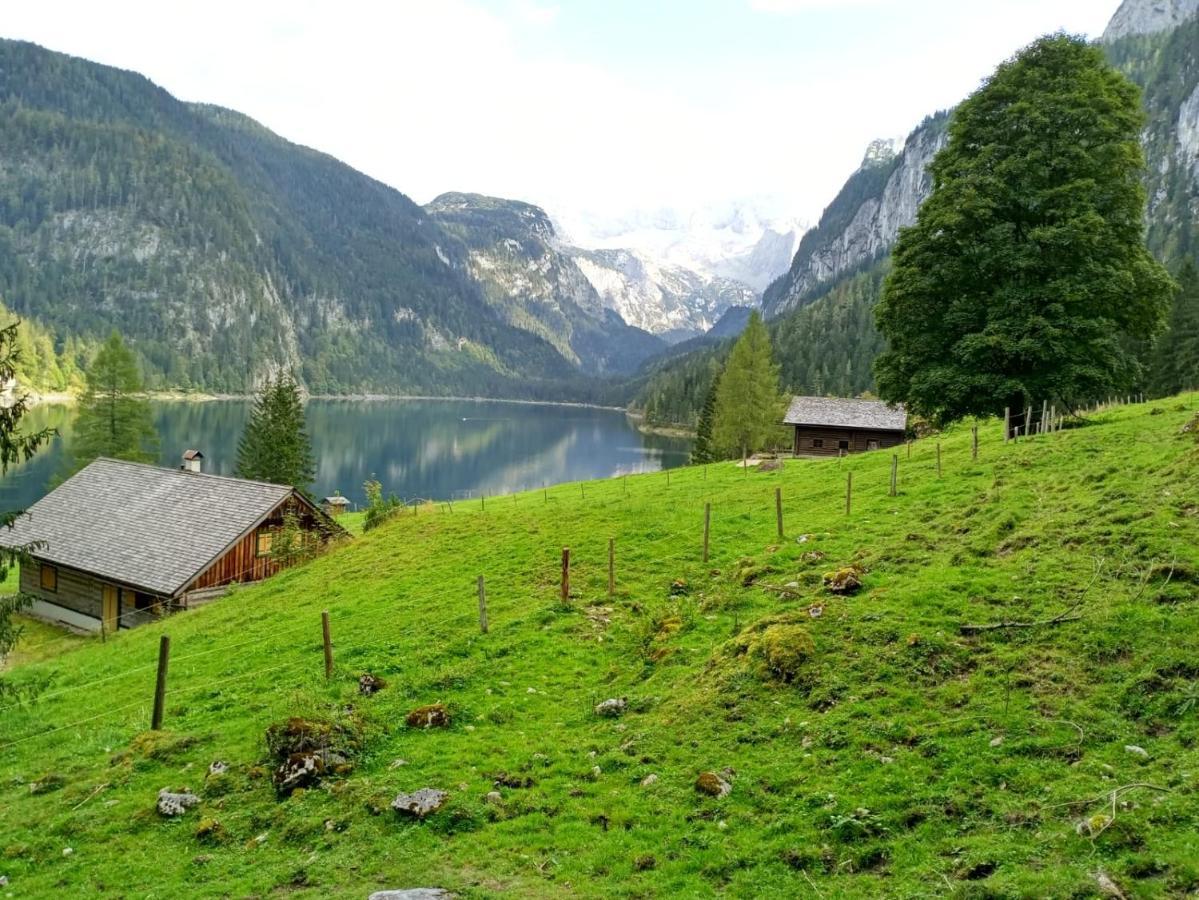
[836, 412]
[143, 526]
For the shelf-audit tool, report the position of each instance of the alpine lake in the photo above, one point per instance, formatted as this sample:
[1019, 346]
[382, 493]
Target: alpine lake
[418, 449]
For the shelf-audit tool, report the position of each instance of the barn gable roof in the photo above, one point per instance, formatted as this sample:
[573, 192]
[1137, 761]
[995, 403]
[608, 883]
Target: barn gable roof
[837, 412]
[141, 525]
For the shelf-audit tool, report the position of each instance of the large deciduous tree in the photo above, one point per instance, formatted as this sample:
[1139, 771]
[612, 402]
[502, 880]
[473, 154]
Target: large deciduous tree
[748, 402]
[275, 446]
[114, 418]
[1026, 276]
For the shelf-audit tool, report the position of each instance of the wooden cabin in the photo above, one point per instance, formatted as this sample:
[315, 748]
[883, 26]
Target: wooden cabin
[335, 505]
[121, 543]
[833, 426]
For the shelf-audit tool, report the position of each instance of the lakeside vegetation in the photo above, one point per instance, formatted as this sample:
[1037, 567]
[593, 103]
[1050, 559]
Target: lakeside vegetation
[874, 746]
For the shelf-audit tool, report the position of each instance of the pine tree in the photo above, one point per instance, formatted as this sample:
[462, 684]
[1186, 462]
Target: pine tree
[748, 403]
[1026, 277]
[15, 446]
[275, 446]
[1176, 356]
[704, 451]
[113, 419]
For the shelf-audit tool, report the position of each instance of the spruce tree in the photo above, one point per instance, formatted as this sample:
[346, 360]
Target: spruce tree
[1176, 356]
[704, 451]
[275, 446]
[114, 419]
[1026, 277]
[15, 446]
[748, 403]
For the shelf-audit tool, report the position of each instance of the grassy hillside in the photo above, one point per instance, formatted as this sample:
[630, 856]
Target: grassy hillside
[893, 756]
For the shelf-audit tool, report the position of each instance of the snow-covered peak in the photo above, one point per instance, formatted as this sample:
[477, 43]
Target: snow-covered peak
[744, 240]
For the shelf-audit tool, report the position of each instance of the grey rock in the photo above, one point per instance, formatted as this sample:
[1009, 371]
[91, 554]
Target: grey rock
[1136, 751]
[494, 797]
[649, 779]
[613, 706]
[420, 803]
[218, 768]
[412, 894]
[171, 804]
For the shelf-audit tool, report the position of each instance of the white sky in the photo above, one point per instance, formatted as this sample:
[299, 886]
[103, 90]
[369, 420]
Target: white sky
[600, 105]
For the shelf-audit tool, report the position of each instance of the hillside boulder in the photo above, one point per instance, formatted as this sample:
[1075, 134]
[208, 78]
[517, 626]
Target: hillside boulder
[420, 804]
[433, 715]
[172, 804]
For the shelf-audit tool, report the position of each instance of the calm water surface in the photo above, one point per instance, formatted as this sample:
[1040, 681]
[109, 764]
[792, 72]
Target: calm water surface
[435, 449]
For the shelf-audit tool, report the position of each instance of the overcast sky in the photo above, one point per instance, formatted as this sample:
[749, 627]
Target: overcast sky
[602, 105]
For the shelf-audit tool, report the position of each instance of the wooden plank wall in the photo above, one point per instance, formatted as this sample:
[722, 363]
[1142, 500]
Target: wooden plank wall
[858, 440]
[77, 591]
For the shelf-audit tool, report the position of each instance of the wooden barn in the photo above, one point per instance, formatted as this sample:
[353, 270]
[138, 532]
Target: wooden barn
[832, 426]
[121, 543]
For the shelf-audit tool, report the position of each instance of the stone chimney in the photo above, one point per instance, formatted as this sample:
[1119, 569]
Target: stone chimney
[193, 461]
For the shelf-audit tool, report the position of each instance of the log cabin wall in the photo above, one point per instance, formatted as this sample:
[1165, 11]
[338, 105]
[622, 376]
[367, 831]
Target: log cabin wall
[76, 591]
[243, 563]
[807, 437]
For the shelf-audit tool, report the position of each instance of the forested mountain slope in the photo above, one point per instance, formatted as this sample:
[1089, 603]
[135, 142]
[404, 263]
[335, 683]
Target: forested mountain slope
[514, 254]
[225, 252]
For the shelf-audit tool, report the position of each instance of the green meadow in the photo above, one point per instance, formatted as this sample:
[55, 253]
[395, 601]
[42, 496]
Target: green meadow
[875, 744]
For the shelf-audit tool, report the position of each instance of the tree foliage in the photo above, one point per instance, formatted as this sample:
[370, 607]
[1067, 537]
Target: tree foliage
[378, 508]
[15, 446]
[114, 418]
[275, 446]
[1026, 275]
[1175, 365]
[704, 451]
[748, 402]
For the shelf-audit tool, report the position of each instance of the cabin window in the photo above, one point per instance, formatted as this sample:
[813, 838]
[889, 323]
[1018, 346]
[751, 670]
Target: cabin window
[842, 445]
[263, 545]
[872, 445]
[49, 580]
[817, 443]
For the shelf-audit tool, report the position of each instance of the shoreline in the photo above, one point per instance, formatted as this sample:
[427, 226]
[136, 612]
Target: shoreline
[65, 398]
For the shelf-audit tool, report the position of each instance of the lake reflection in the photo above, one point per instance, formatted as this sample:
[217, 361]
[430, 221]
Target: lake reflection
[434, 449]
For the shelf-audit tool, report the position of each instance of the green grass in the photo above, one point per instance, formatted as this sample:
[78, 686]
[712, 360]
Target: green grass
[899, 758]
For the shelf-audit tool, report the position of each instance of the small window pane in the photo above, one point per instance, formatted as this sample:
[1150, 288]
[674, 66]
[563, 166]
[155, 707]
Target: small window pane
[843, 445]
[264, 543]
[49, 578]
[817, 443]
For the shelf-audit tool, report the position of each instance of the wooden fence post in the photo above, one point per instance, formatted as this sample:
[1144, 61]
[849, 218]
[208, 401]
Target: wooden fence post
[848, 491]
[565, 574]
[611, 567]
[894, 473]
[328, 644]
[938, 459]
[974, 442]
[160, 683]
[1007, 424]
[1044, 414]
[482, 606]
[778, 508]
[707, 527]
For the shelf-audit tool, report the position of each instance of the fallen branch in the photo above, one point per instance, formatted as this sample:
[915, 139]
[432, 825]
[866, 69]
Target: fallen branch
[88, 797]
[794, 592]
[997, 626]
[1066, 615]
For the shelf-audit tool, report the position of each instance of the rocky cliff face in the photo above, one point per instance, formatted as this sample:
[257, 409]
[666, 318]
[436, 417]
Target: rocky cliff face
[1155, 42]
[670, 301]
[1148, 17]
[537, 286]
[863, 221]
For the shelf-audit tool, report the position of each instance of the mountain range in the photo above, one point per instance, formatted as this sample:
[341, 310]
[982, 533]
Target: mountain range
[820, 310]
[225, 253]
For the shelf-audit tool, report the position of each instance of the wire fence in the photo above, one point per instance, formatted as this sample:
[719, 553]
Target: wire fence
[733, 519]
